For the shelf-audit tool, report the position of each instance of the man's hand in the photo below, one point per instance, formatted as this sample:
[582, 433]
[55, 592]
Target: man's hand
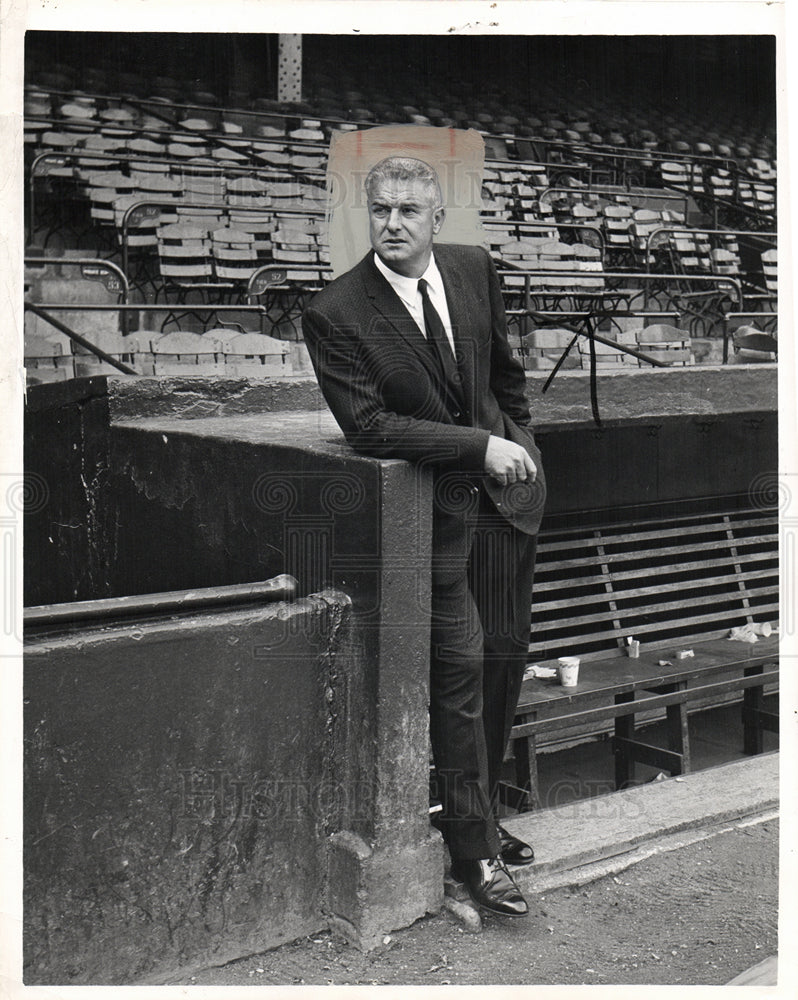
[508, 462]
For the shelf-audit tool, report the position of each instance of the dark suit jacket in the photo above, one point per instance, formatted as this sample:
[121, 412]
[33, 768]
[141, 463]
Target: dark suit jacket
[389, 396]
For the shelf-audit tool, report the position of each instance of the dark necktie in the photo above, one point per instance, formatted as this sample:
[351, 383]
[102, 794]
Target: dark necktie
[436, 334]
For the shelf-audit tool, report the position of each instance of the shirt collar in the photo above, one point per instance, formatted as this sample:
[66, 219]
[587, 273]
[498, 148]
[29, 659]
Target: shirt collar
[407, 288]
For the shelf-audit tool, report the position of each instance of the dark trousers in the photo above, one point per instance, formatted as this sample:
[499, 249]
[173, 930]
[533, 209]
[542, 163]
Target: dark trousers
[482, 570]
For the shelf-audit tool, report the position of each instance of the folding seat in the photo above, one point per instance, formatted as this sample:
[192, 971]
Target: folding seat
[260, 226]
[764, 197]
[103, 191]
[674, 174]
[770, 269]
[45, 360]
[183, 150]
[201, 185]
[78, 109]
[541, 349]
[247, 192]
[645, 221]
[224, 154]
[607, 357]
[234, 254]
[582, 212]
[690, 252]
[255, 355]
[37, 103]
[60, 142]
[722, 184]
[724, 261]
[145, 146]
[753, 345]
[536, 174]
[185, 353]
[184, 253]
[617, 220]
[310, 130]
[200, 216]
[665, 343]
[119, 118]
[143, 224]
[116, 345]
[197, 124]
[588, 260]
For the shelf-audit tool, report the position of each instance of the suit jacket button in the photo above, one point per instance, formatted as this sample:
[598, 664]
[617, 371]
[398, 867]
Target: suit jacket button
[456, 414]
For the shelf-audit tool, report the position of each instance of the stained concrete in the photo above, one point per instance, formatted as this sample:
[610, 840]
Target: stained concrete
[593, 830]
[634, 394]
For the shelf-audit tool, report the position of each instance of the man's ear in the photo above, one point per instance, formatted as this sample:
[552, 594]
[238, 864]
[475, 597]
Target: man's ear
[437, 219]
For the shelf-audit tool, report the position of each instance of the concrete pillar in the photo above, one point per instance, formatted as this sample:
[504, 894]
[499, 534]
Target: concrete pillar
[289, 68]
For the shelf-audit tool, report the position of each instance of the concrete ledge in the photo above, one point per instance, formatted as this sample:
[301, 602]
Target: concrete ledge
[594, 830]
[636, 393]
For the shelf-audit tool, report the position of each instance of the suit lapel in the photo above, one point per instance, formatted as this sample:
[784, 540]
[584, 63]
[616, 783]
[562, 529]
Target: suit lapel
[388, 303]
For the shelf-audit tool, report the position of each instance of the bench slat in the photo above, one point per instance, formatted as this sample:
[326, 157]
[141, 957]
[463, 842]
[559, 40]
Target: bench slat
[679, 586]
[642, 554]
[585, 617]
[639, 629]
[606, 535]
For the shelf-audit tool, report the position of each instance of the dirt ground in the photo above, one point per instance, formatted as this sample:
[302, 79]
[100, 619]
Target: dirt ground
[697, 915]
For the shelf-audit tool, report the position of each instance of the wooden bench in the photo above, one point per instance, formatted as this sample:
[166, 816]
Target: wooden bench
[674, 583]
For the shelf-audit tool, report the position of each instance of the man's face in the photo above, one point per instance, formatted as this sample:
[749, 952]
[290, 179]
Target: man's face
[402, 221]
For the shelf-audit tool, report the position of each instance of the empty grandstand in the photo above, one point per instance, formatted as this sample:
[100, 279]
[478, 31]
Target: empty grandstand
[194, 167]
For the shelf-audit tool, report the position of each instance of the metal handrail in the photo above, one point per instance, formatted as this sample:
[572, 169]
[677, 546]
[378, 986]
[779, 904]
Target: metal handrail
[197, 169]
[221, 205]
[491, 222]
[698, 231]
[156, 307]
[280, 276]
[629, 194]
[715, 279]
[85, 262]
[279, 588]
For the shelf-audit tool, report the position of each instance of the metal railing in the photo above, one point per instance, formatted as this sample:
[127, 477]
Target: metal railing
[115, 280]
[713, 283]
[699, 231]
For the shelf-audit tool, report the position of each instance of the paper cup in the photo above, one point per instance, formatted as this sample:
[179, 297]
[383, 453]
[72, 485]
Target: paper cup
[568, 670]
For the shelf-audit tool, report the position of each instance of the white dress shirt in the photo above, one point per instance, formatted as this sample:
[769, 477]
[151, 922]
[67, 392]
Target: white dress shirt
[407, 290]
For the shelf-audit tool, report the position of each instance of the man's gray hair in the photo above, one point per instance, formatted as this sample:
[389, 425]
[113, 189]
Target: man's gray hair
[404, 168]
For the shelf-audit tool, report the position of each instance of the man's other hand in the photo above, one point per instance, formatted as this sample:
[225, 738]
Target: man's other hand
[507, 462]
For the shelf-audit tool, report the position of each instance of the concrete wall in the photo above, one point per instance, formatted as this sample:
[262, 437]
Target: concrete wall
[173, 782]
[187, 483]
[127, 512]
[188, 785]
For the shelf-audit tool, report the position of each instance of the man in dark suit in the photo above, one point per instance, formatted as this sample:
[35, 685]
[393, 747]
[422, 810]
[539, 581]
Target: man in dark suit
[410, 349]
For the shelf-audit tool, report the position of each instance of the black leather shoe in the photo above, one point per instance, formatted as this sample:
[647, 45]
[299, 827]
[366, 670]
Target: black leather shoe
[513, 850]
[491, 886]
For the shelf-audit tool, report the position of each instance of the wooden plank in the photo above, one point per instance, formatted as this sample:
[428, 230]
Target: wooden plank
[542, 607]
[647, 703]
[645, 615]
[666, 550]
[605, 672]
[646, 628]
[694, 524]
